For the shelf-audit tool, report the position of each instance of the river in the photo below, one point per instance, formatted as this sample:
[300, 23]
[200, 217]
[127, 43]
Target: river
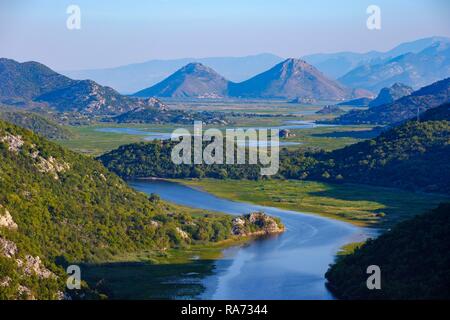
[286, 266]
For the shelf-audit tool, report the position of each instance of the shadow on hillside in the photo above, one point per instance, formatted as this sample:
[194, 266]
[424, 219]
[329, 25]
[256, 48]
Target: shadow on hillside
[395, 204]
[144, 280]
[356, 134]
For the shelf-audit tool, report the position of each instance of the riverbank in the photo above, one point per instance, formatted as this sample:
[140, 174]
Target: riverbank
[360, 205]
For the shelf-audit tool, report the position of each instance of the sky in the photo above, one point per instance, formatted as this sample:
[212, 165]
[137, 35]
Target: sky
[121, 32]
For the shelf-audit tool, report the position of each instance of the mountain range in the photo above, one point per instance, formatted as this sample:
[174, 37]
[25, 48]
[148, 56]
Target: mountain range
[336, 65]
[31, 84]
[413, 69]
[291, 78]
[402, 109]
[134, 77]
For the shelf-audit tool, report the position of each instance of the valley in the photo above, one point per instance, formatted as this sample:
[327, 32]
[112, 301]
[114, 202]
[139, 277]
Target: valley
[88, 178]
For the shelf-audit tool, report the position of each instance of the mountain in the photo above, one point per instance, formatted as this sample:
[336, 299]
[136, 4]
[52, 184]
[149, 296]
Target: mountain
[31, 84]
[414, 258]
[336, 65]
[412, 69]
[36, 123]
[389, 95]
[290, 79]
[58, 208]
[402, 109]
[193, 80]
[134, 77]
[22, 82]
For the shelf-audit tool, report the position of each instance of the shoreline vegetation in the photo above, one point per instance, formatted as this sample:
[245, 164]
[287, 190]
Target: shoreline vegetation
[360, 205]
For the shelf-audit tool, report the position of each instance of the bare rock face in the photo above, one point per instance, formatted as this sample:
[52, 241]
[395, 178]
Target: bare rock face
[7, 248]
[14, 142]
[25, 293]
[6, 220]
[256, 223]
[33, 265]
[50, 165]
[183, 234]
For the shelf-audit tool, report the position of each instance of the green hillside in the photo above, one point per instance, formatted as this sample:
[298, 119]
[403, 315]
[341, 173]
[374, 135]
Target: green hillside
[63, 207]
[413, 156]
[414, 259]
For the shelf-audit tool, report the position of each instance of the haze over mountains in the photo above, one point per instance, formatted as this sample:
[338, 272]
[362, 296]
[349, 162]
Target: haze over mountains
[134, 77]
[413, 69]
[289, 79]
[349, 67]
[336, 65]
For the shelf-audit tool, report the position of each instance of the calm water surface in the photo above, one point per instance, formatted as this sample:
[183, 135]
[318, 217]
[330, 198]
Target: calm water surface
[287, 266]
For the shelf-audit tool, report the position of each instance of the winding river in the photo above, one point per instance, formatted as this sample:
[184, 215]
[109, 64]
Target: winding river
[287, 266]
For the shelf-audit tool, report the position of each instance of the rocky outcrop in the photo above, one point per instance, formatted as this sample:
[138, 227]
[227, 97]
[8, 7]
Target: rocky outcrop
[6, 220]
[14, 142]
[183, 234]
[33, 266]
[256, 223]
[7, 248]
[50, 165]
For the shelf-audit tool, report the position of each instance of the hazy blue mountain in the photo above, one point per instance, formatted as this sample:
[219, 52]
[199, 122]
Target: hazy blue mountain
[290, 79]
[412, 69]
[32, 84]
[402, 109]
[134, 77]
[336, 65]
[194, 80]
[389, 95]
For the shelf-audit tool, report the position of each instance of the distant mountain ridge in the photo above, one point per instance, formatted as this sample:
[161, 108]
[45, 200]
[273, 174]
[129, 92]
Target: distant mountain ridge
[32, 84]
[336, 65]
[414, 69]
[134, 77]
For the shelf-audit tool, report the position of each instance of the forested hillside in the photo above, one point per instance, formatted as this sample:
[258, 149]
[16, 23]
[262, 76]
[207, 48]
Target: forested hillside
[414, 156]
[414, 259]
[59, 207]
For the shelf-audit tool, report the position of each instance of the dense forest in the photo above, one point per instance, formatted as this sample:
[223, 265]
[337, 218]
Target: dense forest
[414, 156]
[57, 207]
[414, 259]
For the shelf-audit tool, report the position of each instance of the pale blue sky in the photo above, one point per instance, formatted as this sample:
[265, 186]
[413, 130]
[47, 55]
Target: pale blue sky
[122, 31]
